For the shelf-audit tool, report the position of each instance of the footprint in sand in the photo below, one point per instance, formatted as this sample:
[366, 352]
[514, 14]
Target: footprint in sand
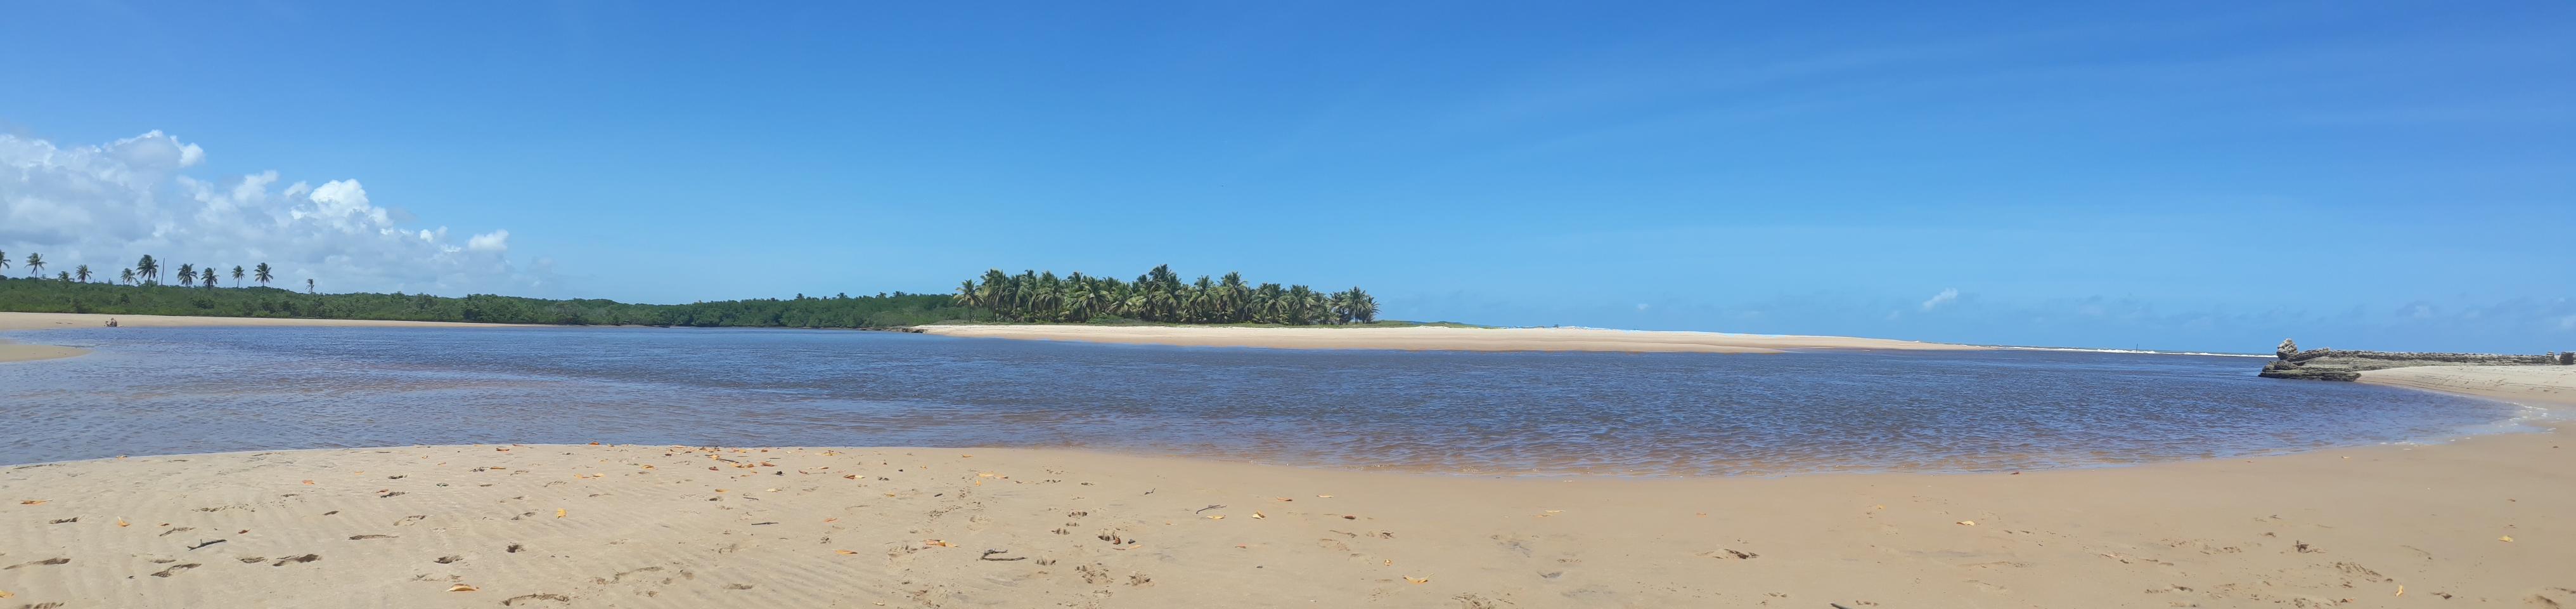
[175, 569]
[526, 598]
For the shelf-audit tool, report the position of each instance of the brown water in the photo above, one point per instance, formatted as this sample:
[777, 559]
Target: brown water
[186, 390]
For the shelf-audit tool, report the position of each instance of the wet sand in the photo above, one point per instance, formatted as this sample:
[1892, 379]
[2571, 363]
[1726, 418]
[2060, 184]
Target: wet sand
[1437, 338]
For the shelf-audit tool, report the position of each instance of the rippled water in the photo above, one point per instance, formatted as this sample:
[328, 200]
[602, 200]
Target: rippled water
[162, 391]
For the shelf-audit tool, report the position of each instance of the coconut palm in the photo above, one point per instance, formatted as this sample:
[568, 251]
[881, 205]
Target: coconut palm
[237, 275]
[126, 277]
[35, 265]
[4, 259]
[66, 276]
[149, 269]
[260, 274]
[187, 274]
[83, 273]
[308, 285]
[1158, 295]
[208, 278]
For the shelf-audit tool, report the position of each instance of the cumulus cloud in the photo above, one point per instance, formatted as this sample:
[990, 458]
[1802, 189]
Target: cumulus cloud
[107, 205]
[1945, 297]
[495, 241]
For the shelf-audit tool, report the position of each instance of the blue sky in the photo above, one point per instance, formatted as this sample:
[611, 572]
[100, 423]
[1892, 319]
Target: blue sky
[2180, 175]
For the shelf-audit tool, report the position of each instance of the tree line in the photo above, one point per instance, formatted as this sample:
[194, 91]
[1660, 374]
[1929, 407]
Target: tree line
[50, 295]
[1159, 295]
[147, 271]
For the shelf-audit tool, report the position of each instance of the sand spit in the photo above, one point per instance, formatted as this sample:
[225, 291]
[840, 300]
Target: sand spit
[2532, 385]
[1436, 338]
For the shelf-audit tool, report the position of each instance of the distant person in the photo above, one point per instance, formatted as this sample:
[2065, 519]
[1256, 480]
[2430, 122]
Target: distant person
[111, 322]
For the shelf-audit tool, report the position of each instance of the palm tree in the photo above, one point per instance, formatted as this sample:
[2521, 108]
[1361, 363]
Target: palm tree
[187, 274]
[209, 278]
[35, 265]
[66, 276]
[1363, 306]
[1159, 295]
[126, 278]
[4, 259]
[149, 269]
[260, 274]
[308, 285]
[237, 275]
[84, 273]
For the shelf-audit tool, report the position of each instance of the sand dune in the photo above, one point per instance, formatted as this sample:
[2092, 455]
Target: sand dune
[1437, 338]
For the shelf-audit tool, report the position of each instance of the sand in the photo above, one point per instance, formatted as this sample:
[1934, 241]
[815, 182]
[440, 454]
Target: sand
[2528, 384]
[1437, 338]
[17, 352]
[625, 526]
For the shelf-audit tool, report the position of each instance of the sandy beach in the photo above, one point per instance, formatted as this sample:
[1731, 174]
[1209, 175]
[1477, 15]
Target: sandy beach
[2476, 522]
[1436, 338]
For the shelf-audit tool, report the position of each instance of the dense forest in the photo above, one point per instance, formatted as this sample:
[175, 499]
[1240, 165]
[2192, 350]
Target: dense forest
[56, 295]
[1160, 296]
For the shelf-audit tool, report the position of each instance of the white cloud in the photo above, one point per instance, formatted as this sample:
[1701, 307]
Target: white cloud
[1945, 297]
[495, 241]
[107, 205]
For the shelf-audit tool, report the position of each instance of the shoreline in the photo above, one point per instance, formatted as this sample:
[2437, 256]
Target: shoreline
[2476, 520]
[1435, 338]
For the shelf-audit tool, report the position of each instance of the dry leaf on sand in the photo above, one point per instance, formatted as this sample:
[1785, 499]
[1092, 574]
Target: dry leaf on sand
[1418, 580]
[845, 552]
[559, 513]
[1968, 522]
[461, 588]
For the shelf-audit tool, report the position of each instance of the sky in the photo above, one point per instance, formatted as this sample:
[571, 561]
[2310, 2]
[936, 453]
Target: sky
[2181, 175]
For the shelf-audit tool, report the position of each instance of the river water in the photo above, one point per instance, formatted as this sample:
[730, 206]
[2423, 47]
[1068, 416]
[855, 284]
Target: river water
[190, 390]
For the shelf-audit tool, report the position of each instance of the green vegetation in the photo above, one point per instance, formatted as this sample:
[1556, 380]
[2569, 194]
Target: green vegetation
[1160, 296]
[1157, 297]
[63, 296]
